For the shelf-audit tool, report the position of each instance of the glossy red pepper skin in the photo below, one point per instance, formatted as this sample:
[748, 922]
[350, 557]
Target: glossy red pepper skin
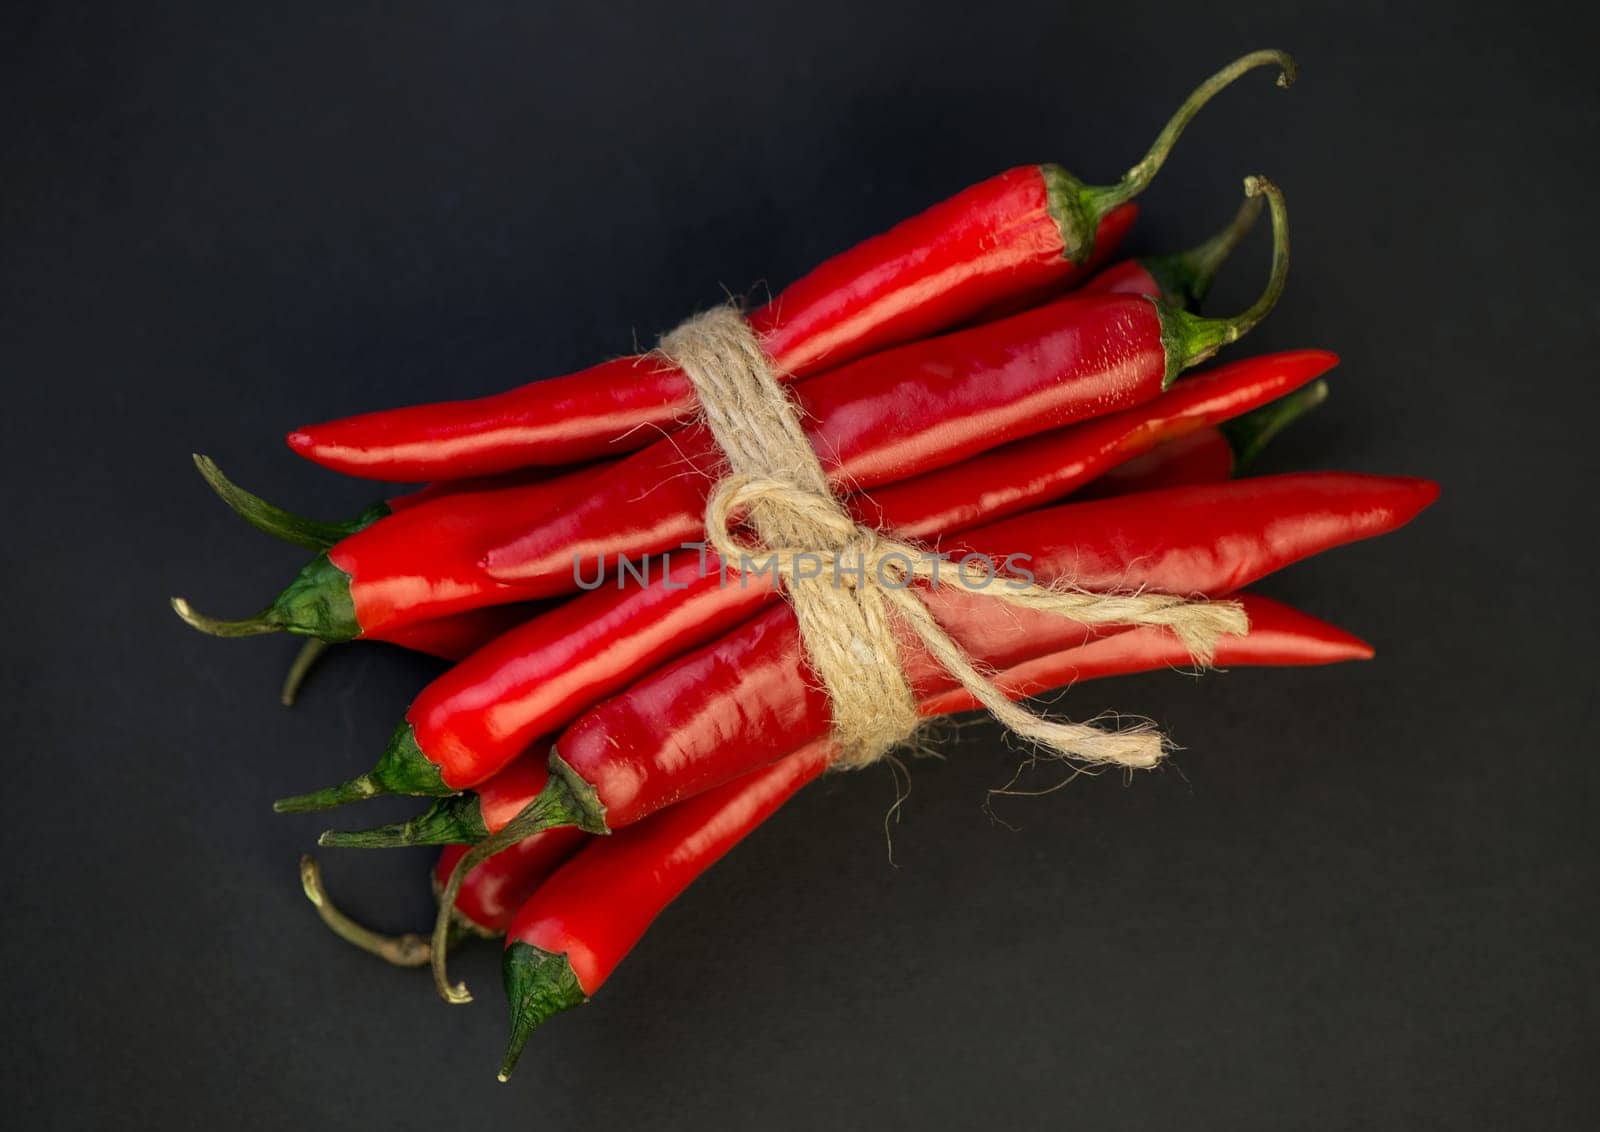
[743, 700]
[492, 892]
[485, 711]
[421, 562]
[926, 274]
[1129, 277]
[1043, 468]
[1280, 637]
[892, 415]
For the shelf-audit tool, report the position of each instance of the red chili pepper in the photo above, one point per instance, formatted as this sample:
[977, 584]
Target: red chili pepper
[449, 637]
[380, 577]
[577, 926]
[1280, 637]
[1044, 468]
[1025, 232]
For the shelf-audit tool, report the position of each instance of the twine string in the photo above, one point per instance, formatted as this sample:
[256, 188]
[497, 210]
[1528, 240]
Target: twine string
[848, 616]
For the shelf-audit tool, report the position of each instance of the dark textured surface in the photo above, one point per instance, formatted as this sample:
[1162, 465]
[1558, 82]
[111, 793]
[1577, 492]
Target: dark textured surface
[1361, 897]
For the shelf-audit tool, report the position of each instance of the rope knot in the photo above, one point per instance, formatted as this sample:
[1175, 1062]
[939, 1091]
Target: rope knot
[851, 586]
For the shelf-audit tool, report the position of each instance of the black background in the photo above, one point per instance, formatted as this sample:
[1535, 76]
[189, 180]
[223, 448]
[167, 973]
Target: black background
[1362, 895]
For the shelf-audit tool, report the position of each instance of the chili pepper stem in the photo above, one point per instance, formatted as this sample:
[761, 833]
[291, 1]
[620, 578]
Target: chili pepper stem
[266, 621]
[1078, 208]
[451, 821]
[408, 950]
[270, 519]
[1249, 434]
[316, 604]
[403, 769]
[565, 800]
[1190, 338]
[1187, 276]
[304, 661]
[539, 985]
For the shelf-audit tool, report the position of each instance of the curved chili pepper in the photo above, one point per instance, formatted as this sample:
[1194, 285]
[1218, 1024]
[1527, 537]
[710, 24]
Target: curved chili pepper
[419, 563]
[1027, 231]
[891, 415]
[574, 929]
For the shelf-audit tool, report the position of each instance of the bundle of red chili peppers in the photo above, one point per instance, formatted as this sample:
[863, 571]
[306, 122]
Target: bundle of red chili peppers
[626, 706]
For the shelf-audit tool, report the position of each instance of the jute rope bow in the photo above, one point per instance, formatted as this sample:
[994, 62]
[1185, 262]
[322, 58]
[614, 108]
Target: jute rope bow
[848, 615]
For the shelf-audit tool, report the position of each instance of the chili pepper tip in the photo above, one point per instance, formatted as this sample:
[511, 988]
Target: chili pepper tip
[358, 789]
[402, 769]
[539, 985]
